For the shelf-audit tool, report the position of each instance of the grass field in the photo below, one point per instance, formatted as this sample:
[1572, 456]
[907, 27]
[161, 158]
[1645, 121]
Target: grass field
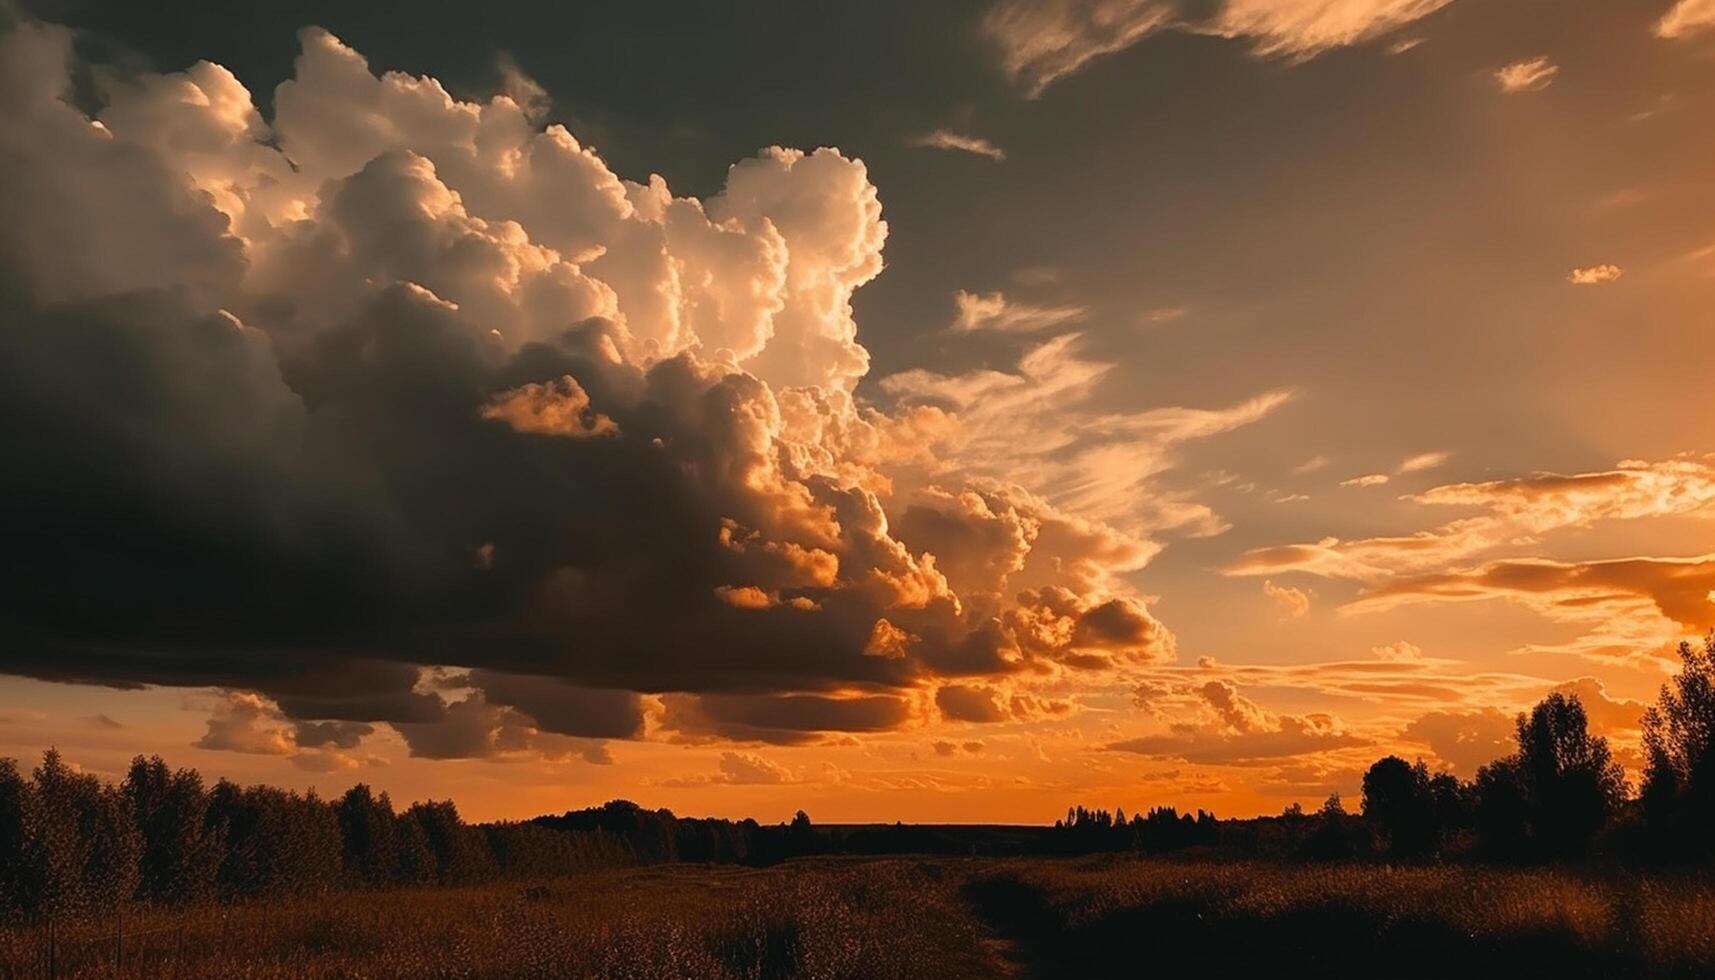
[932, 918]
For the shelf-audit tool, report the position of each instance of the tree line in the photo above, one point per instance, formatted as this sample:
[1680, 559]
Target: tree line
[72, 844]
[1560, 796]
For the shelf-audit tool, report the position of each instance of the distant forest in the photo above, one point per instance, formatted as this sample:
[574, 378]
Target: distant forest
[72, 844]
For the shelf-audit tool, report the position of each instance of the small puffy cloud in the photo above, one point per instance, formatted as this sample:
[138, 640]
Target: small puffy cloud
[994, 311]
[1367, 480]
[1464, 740]
[1293, 602]
[335, 734]
[473, 727]
[1608, 714]
[1594, 275]
[947, 139]
[1227, 728]
[246, 722]
[946, 748]
[558, 408]
[1311, 465]
[1685, 18]
[747, 769]
[1529, 75]
[1398, 653]
[1424, 461]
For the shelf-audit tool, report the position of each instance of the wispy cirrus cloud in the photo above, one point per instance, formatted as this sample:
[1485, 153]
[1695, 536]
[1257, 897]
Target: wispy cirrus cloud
[1424, 461]
[1628, 605]
[1043, 41]
[947, 139]
[997, 312]
[1529, 75]
[1685, 18]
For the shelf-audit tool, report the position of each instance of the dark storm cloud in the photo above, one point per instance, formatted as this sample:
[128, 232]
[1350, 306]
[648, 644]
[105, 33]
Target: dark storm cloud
[441, 390]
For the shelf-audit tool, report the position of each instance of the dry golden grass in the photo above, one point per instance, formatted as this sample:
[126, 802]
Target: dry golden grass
[932, 918]
[836, 920]
[1367, 919]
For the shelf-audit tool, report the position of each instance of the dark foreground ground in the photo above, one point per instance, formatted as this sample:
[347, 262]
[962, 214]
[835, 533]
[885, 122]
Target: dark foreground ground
[931, 918]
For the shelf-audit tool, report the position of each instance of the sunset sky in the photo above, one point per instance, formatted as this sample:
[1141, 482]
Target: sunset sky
[895, 410]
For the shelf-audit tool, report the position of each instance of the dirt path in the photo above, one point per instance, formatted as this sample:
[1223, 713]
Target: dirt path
[1019, 932]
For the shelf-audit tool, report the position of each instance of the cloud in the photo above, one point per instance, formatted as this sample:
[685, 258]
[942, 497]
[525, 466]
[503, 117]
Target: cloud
[789, 719]
[993, 311]
[1042, 41]
[1302, 29]
[558, 408]
[1594, 275]
[1529, 75]
[1294, 603]
[1234, 730]
[1514, 509]
[1630, 608]
[961, 702]
[1424, 461]
[245, 722]
[946, 139]
[1367, 480]
[1401, 652]
[395, 386]
[745, 769]
[1685, 18]
[1632, 605]
[1034, 426]
[1607, 714]
[472, 727]
[1464, 740]
[1311, 465]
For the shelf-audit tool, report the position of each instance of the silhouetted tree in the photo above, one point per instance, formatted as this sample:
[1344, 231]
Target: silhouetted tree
[1400, 804]
[22, 871]
[368, 828]
[181, 853]
[277, 842]
[1571, 782]
[460, 851]
[1552, 797]
[1679, 739]
[1502, 818]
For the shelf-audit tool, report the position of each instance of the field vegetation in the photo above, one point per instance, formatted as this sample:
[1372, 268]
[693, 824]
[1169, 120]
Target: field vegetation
[952, 918]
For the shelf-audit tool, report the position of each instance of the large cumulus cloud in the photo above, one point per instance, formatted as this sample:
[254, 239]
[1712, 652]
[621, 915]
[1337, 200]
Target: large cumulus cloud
[303, 406]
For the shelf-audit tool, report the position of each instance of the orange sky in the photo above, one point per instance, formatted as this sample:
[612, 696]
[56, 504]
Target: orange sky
[1187, 406]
